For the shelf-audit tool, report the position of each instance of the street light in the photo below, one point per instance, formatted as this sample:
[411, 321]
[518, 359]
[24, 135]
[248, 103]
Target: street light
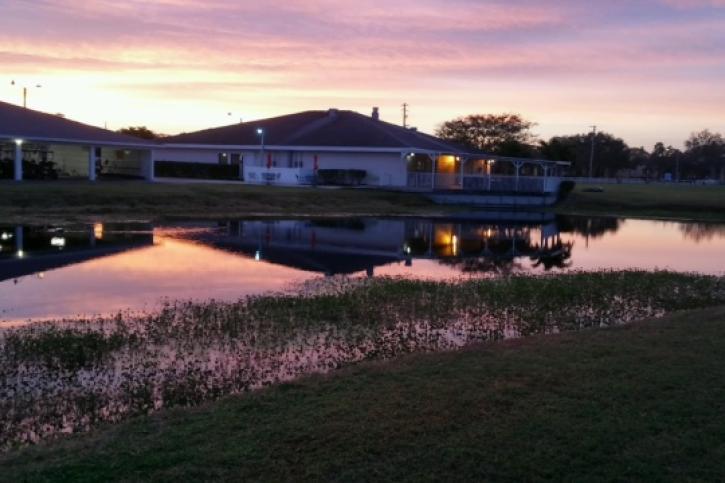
[25, 92]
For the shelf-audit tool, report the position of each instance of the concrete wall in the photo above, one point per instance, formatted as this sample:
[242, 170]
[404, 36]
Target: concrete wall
[383, 169]
[188, 155]
[122, 162]
[70, 160]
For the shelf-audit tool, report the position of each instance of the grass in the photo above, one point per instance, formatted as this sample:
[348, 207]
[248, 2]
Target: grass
[73, 201]
[137, 200]
[667, 201]
[71, 376]
[642, 402]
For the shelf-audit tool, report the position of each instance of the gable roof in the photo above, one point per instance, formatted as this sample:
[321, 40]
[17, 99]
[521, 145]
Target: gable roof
[331, 128]
[30, 125]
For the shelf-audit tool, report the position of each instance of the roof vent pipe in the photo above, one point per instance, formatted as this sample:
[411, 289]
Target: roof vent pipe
[376, 114]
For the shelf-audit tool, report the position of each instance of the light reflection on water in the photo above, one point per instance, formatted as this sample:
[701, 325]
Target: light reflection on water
[49, 272]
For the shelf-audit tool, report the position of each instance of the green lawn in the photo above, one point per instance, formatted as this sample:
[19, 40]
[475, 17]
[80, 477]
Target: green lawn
[642, 402]
[137, 200]
[649, 201]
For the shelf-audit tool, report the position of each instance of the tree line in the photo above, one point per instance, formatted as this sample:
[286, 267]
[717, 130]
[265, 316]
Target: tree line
[510, 135]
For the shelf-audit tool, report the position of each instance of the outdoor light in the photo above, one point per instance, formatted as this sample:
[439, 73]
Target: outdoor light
[19, 142]
[20, 254]
[260, 131]
[6, 236]
[257, 255]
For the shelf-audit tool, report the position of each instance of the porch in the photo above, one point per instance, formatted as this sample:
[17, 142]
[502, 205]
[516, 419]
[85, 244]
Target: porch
[492, 174]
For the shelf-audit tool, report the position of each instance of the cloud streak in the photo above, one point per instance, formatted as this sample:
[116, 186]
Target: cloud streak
[142, 60]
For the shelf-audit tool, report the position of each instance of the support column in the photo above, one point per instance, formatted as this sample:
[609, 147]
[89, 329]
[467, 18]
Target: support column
[463, 160]
[91, 163]
[18, 160]
[517, 165]
[433, 172]
[148, 165]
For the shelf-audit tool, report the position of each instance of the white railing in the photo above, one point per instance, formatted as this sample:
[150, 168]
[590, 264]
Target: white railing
[492, 184]
[287, 176]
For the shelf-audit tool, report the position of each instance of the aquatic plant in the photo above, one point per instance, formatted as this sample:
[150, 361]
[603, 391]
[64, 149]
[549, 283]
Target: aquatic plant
[70, 375]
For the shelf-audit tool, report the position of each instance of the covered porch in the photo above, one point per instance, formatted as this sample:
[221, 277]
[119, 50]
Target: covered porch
[427, 171]
[38, 159]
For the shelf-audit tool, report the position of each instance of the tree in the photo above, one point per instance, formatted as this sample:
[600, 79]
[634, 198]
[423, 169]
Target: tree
[611, 154]
[141, 132]
[502, 134]
[666, 159]
[705, 154]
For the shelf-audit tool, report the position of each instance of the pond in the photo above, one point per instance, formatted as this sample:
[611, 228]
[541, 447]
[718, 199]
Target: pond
[55, 272]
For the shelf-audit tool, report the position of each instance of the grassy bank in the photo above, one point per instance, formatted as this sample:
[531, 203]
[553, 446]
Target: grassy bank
[685, 202]
[642, 402]
[136, 200]
[73, 376]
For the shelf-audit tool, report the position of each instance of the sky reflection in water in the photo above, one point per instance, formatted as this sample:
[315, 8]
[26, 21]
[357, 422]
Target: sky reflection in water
[104, 269]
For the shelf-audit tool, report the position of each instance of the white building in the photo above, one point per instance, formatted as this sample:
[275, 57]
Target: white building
[350, 148]
[326, 147]
[38, 145]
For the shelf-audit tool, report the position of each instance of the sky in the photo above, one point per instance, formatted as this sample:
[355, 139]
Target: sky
[646, 70]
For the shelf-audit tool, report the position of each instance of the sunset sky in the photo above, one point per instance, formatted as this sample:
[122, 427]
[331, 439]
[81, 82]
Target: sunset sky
[644, 70]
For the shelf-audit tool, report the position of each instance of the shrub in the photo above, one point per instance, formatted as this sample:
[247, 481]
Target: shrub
[565, 188]
[342, 177]
[179, 169]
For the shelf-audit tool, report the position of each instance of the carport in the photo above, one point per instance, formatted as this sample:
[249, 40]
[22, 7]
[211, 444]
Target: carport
[36, 145]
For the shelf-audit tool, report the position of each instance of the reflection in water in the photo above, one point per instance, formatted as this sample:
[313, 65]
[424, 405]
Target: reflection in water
[700, 232]
[188, 353]
[61, 272]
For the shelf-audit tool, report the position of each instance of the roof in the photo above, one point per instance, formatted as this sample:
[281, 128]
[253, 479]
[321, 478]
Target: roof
[27, 124]
[331, 128]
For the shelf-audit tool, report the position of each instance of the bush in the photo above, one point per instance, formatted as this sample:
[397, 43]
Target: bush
[343, 177]
[565, 188]
[179, 169]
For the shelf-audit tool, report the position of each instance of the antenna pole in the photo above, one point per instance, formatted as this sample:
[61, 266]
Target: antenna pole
[405, 115]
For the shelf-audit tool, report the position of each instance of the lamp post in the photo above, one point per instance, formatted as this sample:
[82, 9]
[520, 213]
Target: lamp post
[25, 92]
[260, 133]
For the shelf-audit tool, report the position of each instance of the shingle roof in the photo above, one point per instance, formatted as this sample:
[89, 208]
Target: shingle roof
[332, 128]
[18, 122]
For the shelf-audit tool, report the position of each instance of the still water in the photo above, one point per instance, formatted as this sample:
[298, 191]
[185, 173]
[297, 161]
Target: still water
[55, 272]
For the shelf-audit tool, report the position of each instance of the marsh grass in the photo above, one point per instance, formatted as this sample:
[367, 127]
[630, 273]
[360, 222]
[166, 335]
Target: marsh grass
[69, 376]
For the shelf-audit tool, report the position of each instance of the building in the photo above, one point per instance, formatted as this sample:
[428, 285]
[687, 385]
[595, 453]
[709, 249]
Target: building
[346, 147]
[35, 145]
[327, 147]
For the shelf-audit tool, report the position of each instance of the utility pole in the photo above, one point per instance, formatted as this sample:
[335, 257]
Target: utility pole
[405, 115]
[25, 93]
[591, 157]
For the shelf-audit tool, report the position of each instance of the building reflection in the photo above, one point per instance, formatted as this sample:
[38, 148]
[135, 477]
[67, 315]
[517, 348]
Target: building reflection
[35, 250]
[347, 246]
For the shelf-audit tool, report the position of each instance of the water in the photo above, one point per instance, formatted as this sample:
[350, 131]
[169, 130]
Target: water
[55, 272]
